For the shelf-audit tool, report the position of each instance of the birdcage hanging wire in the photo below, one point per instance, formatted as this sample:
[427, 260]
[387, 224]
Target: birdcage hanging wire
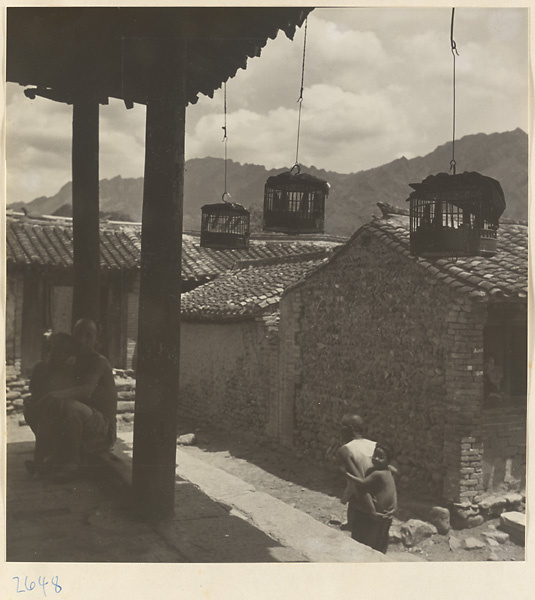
[225, 224]
[455, 214]
[295, 202]
[453, 164]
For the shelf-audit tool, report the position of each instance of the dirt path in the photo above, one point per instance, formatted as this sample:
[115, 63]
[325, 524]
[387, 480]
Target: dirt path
[316, 490]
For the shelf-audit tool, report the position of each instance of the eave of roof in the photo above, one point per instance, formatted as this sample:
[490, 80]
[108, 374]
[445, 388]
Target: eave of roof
[103, 51]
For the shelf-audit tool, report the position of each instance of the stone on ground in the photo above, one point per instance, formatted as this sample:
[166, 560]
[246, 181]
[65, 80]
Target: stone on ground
[454, 543]
[440, 518]
[472, 543]
[514, 523]
[475, 521]
[415, 531]
[394, 535]
[499, 536]
[188, 439]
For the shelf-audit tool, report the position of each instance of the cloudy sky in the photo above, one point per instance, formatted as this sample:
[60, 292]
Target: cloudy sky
[378, 85]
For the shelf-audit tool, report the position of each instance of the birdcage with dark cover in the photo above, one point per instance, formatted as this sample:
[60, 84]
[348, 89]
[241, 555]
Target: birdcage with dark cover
[455, 215]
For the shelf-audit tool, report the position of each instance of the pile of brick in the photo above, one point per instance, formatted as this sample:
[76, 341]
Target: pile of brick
[485, 507]
[126, 394]
[17, 390]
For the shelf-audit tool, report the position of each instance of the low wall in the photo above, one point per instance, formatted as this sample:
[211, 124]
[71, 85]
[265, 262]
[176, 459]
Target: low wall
[226, 374]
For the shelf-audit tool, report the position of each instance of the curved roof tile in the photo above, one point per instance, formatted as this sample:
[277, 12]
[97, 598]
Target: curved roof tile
[504, 274]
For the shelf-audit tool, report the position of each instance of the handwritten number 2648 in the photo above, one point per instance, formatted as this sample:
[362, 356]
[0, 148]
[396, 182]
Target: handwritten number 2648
[29, 586]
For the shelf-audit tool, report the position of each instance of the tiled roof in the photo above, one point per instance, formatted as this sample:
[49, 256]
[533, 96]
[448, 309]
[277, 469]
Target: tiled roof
[47, 242]
[249, 291]
[502, 276]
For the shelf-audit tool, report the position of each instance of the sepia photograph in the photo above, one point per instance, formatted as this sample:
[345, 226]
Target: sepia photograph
[266, 286]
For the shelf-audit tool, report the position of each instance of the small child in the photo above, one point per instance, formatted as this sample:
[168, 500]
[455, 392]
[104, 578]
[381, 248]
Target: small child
[54, 373]
[372, 527]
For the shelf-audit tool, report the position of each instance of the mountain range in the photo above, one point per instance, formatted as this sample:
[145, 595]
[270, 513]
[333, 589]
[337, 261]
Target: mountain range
[352, 199]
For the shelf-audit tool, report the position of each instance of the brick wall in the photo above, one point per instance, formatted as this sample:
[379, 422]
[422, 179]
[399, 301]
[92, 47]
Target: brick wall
[465, 391]
[226, 375]
[503, 435]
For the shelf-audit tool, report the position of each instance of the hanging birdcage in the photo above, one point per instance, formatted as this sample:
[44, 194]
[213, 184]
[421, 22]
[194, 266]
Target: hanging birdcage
[455, 215]
[225, 225]
[295, 203]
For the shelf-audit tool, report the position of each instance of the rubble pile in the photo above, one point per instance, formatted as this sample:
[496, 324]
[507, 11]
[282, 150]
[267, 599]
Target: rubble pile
[17, 390]
[499, 528]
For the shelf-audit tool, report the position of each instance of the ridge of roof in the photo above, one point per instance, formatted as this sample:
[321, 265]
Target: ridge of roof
[276, 260]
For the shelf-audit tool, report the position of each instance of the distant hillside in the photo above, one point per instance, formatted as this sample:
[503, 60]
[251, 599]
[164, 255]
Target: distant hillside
[353, 197]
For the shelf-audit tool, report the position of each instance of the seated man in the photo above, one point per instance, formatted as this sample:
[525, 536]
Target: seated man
[56, 372]
[85, 414]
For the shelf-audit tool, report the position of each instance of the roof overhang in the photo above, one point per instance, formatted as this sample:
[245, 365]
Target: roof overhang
[106, 51]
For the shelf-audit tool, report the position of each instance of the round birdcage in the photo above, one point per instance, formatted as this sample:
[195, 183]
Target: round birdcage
[295, 203]
[455, 215]
[225, 225]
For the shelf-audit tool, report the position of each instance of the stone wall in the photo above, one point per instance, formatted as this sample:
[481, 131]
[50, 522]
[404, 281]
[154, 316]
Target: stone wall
[226, 374]
[371, 328]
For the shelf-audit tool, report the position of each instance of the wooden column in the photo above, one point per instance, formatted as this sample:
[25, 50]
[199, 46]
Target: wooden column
[85, 209]
[153, 476]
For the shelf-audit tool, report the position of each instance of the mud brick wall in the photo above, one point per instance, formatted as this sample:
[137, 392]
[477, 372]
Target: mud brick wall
[226, 374]
[503, 434]
[370, 334]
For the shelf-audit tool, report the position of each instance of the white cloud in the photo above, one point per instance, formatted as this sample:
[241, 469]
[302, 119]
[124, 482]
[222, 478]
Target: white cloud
[378, 85]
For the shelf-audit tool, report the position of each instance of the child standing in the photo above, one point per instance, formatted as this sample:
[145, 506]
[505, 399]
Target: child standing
[372, 527]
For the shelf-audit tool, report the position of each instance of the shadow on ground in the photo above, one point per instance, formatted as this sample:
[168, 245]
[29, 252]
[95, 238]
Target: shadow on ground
[301, 472]
[281, 463]
[93, 520]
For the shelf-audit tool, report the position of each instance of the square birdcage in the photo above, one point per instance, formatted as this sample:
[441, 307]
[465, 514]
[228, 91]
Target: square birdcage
[225, 225]
[455, 215]
[295, 203]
